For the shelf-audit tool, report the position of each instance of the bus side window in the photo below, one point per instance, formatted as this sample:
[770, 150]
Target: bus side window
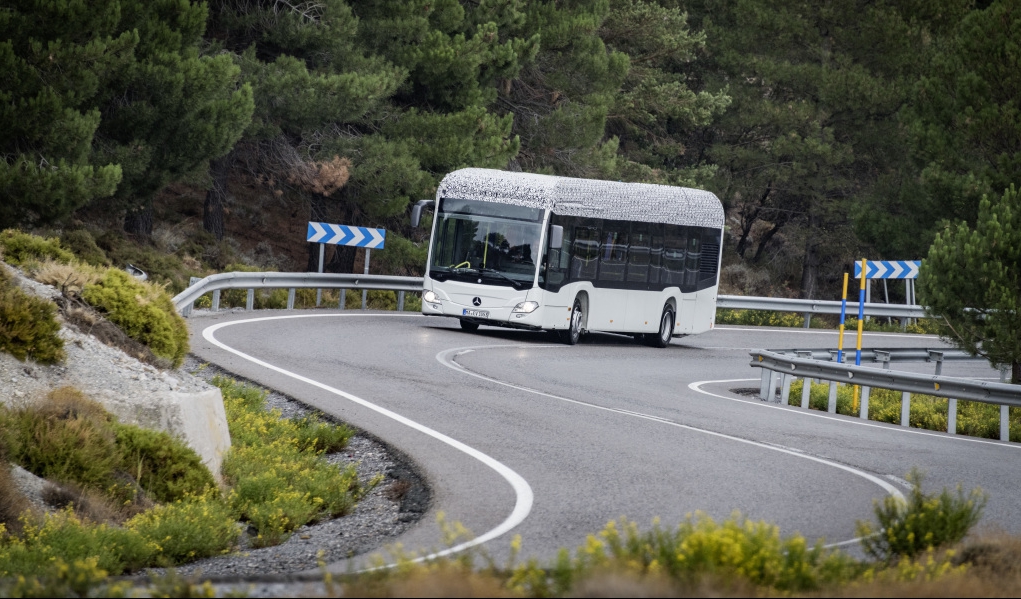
[638, 254]
[656, 258]
[584, 254]
[694, 253]
[613, 251]
[674, 244]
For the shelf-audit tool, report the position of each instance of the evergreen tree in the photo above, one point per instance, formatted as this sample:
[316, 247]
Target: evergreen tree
[964, 120]
[171, 109]
[971, 282]
[656, 113]
[56, 59]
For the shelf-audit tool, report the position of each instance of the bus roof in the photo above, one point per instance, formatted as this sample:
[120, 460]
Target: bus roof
[587, 197]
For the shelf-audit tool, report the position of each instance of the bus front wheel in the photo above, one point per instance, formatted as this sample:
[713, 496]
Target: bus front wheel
[666, 329]
[471, 327]
[572, 335]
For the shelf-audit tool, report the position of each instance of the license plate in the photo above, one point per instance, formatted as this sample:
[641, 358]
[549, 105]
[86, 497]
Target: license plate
[475, 313]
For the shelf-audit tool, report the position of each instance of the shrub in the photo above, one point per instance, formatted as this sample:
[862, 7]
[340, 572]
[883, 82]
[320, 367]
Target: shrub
[28, 325]
[62, 538]
[83, 245]
[18, 247]
[142, 310]
[69, 277]
[187, 529]
[923, 523]
[279, 479]
[13, 503]
[165, 467]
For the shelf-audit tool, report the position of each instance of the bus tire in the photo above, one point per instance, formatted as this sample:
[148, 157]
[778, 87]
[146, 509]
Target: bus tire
[666, 329]
[573, 334]
[470, 327]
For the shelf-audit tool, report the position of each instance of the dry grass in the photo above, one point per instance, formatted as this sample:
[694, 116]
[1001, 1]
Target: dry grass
[13, 503]
[70, 278]
[89, 504]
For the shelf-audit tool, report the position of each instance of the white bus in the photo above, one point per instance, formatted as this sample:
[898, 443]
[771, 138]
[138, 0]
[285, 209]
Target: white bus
[572, 255]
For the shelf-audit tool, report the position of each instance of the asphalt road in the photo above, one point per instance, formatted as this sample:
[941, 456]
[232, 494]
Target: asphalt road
[518, 435]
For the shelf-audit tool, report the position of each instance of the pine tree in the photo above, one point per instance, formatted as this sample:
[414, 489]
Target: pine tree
[56, 59]
[971, 282]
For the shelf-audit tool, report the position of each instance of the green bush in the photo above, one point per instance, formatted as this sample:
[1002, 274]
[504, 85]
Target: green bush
[83, 245]
[279, 479]
[144, 311]
[18, 247]
[187, 530]
[923, 523]
[165, 467]
[162, 267]
[28, 325]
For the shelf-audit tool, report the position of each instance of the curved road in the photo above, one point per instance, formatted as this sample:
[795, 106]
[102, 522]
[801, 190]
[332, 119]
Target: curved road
[516, 433]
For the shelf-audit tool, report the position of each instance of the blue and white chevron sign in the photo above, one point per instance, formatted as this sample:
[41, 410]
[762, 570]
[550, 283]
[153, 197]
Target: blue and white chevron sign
[361, 237]
[892, 269]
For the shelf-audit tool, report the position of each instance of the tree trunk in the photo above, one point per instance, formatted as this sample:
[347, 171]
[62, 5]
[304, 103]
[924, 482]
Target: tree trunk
[1015, 372]
[139, 220]
[343, 260]
[316, 214]
[810, 265]
[216, 197]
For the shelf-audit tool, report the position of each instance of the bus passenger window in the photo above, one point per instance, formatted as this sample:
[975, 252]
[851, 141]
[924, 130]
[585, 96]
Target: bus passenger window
[584, 254]
[694, 242]
[674, 243]
[613, 252]
[638, 254]
[656, 258]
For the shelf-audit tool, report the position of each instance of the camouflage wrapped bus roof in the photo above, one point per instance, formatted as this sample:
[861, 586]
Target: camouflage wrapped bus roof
[587, 197]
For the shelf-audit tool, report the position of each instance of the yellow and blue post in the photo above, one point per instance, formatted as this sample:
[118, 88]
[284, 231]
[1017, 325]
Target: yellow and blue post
[861, 322]
[843, 311]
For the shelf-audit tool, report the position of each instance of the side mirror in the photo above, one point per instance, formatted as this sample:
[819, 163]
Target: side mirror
[416, 211]
[556, 237]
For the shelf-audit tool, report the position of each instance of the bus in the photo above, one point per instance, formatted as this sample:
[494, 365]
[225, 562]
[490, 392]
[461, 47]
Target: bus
[571, 255]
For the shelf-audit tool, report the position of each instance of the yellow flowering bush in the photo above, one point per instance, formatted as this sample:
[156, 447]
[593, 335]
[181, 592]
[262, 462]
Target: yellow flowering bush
[187, 529]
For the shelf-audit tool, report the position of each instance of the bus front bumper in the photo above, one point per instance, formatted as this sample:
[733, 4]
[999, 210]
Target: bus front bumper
[493, 316]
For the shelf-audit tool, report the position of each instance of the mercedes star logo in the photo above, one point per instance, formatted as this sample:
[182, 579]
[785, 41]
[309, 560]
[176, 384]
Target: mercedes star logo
[476, 301]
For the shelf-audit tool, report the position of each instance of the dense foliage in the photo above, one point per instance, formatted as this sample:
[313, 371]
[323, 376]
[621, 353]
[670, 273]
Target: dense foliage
[831, 130]
[28, 325]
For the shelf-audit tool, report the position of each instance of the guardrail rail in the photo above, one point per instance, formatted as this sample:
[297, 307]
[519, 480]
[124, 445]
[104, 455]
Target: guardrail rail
[780, 368]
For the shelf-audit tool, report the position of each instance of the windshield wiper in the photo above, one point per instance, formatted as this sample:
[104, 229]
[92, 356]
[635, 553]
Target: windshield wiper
[493, 271]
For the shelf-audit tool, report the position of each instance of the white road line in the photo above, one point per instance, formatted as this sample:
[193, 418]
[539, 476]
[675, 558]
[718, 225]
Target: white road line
[697, 387]
[445, 358]
[522, 490]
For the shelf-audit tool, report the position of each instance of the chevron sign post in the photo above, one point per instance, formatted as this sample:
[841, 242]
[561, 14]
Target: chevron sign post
[360, 237]
[893, 269]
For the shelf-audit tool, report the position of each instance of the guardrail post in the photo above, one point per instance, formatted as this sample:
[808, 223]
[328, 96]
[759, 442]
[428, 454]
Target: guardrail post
[364, 301]
[764, 384]
[882, 356]
[1004, 423]
[808, 319]
[216, 300]
[938, 357]
[785, 392]
[290, 298]
[905, 408]
[250, 300]
[774, 377]
[832, 407]
[341, 298]
[864, 414]
[952, 416]
[806, 387]
[400, 301]
[1004, 372]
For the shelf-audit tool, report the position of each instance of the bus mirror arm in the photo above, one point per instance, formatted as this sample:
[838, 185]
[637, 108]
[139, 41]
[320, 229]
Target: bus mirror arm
[556, 237]
[416, 211]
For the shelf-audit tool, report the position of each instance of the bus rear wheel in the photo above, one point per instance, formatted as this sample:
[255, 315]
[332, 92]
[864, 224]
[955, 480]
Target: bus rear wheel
[471, 327]
[666, 329]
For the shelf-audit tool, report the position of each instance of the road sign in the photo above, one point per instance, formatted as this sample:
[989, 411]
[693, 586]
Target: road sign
[362, 237]
[893, 269]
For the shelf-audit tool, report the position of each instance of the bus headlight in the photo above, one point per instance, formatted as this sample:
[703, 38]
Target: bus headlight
[431, 297]
[525, 308]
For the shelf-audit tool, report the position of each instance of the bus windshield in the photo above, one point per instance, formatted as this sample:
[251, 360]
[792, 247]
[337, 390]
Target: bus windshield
[495, 244]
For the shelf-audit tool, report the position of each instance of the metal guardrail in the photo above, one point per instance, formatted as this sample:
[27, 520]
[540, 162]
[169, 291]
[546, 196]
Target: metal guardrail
[290, 280]
[803, 306]
[780, 369]
[885, 356]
